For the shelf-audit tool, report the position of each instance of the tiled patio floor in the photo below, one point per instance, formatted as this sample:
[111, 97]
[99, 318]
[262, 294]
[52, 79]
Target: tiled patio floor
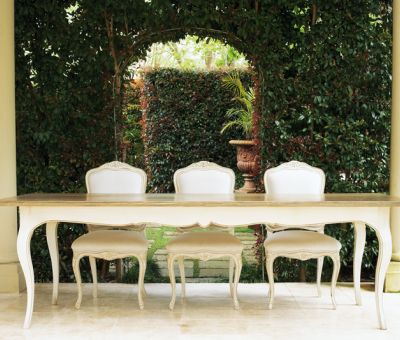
[206, 314]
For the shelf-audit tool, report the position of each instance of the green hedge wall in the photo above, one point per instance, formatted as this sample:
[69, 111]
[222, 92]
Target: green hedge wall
[184, 114]
[330, 105]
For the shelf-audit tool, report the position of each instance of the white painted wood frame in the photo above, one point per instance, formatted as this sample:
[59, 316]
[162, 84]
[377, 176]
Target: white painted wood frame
[187, 210]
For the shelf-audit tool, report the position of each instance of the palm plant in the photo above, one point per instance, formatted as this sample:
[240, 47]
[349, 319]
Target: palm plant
[240, 116]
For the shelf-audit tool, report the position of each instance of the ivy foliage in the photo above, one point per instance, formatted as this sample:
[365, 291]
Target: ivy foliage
[331, 108]
[323, 67]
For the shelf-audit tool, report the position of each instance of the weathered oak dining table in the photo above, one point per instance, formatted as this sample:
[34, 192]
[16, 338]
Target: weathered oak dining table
[186, 210]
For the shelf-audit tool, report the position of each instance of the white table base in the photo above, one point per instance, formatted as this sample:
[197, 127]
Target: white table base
[376, 217]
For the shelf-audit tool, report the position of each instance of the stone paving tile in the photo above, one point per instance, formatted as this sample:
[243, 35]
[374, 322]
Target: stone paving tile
[206, 313]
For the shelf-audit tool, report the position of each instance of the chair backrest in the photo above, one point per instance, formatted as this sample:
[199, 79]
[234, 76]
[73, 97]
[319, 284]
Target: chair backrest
[204, 178]
[294, 178]
[116, 178]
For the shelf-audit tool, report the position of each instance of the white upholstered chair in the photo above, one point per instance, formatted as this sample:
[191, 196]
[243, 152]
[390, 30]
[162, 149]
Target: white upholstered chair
[103, 241]
[297, 178]
[204, 178]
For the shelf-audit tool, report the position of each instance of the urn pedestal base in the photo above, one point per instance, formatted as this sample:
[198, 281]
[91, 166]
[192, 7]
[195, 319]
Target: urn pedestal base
[248, 186]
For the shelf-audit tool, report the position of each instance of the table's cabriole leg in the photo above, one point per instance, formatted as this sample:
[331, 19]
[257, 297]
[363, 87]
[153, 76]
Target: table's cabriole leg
[385, 253]
[51, 236]
[359, 244]
[24, 255]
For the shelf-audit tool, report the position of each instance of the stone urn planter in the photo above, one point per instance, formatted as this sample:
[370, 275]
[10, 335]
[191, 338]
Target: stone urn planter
[246, 163]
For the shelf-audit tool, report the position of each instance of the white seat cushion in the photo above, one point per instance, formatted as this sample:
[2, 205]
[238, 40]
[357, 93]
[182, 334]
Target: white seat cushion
[205, 242]
[293, 241]
[115, 241]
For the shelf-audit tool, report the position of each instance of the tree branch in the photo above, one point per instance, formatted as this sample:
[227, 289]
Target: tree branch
[109, 20]
[314, 14]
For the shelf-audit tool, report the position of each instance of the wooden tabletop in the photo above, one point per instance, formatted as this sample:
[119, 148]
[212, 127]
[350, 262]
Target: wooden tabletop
[151, 200]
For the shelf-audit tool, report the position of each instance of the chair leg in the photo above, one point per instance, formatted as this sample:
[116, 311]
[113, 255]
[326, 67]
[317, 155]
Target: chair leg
[238, 268]
[144, 293]
[320, 265]
[77, 273]
[143, 289]
[142, 230]
[181, 264]
[231, 271]
[336, 268]
[172, 280]
[359, 245]
[269, 264]
[93, 269]
[142, 270]
[51, 236]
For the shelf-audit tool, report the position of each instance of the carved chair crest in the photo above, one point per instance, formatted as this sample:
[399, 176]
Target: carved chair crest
[296, 166]
[117, 166]
[204, 166]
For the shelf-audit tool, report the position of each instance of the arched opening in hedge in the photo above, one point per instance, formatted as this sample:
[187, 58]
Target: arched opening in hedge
[184, 101]
[119, 87]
